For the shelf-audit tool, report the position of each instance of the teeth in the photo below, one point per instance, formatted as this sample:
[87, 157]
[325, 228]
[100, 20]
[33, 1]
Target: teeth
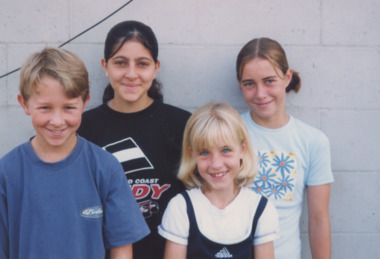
[218, 175]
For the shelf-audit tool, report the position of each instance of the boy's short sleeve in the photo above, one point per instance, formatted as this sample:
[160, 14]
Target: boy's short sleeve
[4, 243]
[123, 221]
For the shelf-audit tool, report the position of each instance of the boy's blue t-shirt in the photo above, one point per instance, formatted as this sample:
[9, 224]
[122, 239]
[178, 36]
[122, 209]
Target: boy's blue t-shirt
[74, 208]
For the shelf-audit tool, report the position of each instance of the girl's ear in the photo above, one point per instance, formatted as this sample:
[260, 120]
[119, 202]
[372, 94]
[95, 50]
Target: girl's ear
[104, 65]
[288, 76]
[158, 64]
[243, 148]
[157, 67]
[240, 84]
[190, 151]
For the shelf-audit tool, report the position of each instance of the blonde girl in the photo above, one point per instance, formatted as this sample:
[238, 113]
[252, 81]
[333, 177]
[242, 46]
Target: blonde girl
[218, 216]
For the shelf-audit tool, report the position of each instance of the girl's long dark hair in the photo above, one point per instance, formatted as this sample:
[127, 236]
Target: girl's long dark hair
[120, 34]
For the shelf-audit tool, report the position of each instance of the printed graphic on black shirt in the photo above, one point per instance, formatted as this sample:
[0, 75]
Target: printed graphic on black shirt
[130, 155]
[147, 191]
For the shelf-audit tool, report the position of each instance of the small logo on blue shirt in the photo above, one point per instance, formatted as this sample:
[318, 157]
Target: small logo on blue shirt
[92, 212]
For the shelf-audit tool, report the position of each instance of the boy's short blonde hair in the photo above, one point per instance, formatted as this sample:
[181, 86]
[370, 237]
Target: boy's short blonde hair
[207, 127]
[59, 64]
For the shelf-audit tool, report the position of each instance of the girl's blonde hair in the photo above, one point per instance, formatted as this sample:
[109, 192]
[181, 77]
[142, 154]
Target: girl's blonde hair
[207, 127]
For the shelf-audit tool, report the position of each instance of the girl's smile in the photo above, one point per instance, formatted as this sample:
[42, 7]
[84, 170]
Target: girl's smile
[218, 175]
[131, 72]
[263, 87]
[219, 166]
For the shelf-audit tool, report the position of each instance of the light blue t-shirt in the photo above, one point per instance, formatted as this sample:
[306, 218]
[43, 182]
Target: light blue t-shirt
[74, 208]
[290, 158]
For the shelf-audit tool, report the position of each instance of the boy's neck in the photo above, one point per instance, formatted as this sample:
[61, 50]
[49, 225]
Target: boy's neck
[51, 154]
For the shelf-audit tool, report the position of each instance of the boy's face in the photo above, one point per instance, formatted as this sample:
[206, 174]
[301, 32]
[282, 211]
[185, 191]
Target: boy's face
[55, 117]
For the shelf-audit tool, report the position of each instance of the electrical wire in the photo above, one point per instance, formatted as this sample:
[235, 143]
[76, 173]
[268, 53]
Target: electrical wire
[78, 35]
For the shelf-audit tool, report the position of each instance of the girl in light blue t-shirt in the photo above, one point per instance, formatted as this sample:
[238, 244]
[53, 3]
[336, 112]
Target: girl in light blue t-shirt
[293, 156]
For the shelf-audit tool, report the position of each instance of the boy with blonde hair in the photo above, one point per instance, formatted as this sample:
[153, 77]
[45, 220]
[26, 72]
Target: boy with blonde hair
[60, 195]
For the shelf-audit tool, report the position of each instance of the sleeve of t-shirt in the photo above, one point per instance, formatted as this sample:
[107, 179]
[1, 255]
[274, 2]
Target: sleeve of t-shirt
[4, 240]
[320, 162]
[267, 229]
[123, 220]
[175, 222]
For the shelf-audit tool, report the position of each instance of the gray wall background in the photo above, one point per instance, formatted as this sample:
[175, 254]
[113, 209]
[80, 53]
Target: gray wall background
[334, 44]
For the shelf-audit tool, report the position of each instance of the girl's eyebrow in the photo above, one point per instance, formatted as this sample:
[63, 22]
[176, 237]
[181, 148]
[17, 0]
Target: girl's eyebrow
[269, 77]
[121, 57]
[265, 78]
[247, 81]
[125, 58]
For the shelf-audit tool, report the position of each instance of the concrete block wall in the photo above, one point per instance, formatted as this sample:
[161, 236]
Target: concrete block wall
[335, 45]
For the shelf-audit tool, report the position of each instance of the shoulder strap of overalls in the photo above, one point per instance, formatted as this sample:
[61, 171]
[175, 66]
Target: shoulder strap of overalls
[190, 212]
[260, 208]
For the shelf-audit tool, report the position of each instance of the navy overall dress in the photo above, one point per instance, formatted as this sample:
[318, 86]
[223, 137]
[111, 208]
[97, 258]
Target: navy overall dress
[200, 247]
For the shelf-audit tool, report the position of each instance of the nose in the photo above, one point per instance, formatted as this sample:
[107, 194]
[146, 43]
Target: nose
[57, 119]
[216, 161]
[260, 91]
[131, 72]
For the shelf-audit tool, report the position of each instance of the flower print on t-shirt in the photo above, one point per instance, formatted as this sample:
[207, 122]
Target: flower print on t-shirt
[276, 178]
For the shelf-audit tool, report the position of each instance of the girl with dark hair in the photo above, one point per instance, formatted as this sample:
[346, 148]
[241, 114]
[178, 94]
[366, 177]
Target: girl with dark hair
[137, 127]
[293, 156]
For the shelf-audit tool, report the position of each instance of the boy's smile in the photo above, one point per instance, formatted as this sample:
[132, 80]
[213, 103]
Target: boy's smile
[55, 117]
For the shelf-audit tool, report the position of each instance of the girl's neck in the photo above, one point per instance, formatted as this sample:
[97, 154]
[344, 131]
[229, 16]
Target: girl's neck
[221, 198]
[129, 107]
[274, 122]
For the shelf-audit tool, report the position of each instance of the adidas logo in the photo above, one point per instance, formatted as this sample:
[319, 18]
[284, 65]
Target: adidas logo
[224, 253]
